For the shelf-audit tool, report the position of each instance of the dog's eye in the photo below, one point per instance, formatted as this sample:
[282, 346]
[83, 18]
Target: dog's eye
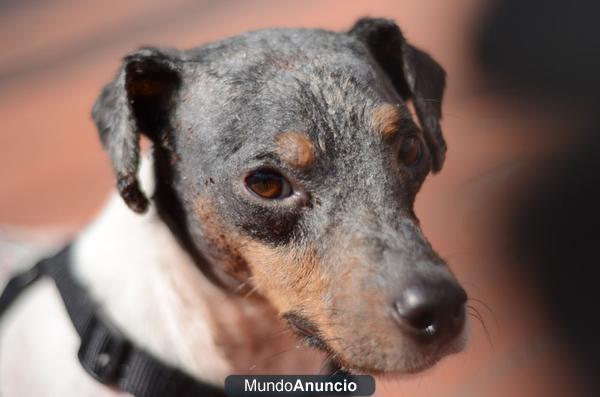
[410, 150]
[269, 185]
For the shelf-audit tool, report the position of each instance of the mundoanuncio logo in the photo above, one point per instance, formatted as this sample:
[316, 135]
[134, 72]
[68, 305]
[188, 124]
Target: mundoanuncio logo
[299, 385]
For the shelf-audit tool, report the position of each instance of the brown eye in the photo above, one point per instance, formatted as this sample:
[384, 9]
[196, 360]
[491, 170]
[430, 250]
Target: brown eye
[269, 185]
[410, 150]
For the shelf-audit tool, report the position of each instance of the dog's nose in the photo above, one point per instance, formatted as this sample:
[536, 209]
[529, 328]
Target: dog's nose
[431, 312]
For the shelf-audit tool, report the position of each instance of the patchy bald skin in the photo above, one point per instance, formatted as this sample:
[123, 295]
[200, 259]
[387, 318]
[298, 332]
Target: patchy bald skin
[386, 120]
[296, 149]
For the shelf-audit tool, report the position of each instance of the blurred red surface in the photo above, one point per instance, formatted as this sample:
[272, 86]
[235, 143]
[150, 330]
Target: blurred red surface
[57, 55]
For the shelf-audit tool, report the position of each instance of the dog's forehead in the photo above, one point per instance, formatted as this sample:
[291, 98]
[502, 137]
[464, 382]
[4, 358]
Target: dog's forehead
[264, 51]
[293, 64]
[256, 86]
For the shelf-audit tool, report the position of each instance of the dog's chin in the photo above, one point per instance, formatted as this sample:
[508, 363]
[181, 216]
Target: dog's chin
[413, 368]
[408, 365]
[400, 372]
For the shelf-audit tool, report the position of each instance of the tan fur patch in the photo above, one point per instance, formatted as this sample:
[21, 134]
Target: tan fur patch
[224, 241]
[295, 148]
[293, 281]
[385, 119]
[285, 277]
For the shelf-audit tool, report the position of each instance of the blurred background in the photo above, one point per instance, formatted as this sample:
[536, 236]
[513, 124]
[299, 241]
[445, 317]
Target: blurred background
[513, 210]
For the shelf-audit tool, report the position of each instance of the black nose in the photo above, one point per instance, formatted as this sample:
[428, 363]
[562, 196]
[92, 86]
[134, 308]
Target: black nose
[432, 312]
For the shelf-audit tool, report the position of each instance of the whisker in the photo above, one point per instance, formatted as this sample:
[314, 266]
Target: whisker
[273, 356]
[488, 308]
[473, 312]
[470, 284]
[326, 361]
[338, 369]
[252, 290]
[243, 285]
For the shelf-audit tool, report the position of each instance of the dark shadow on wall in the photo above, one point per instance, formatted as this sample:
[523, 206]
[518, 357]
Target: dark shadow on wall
[550, 49]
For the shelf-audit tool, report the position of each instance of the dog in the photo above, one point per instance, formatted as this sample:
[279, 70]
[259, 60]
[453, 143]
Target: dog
[278, 195]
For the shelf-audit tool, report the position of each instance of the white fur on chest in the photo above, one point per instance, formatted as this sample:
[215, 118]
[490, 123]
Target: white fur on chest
[151, 289]
[133, 267]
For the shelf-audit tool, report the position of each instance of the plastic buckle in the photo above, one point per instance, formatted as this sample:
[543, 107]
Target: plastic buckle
[102, 352]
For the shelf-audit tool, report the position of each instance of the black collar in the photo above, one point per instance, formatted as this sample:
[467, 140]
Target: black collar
[105, 352]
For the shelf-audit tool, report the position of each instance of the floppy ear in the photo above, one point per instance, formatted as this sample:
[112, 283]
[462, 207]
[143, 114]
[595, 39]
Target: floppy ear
[414, 73]
[137, 101]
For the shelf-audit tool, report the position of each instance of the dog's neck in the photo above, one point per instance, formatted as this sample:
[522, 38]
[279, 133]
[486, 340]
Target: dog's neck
[149, 287]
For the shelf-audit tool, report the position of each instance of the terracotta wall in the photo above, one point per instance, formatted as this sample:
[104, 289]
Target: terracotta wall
[56, 56]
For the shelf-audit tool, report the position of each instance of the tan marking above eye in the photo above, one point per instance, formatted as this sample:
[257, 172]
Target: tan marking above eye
[295, 148]
[385, 119]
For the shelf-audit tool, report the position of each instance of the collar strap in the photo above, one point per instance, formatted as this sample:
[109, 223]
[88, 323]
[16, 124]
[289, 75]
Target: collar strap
[105, 352]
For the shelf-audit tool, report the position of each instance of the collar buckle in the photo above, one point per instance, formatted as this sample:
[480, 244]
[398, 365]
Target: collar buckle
[103, 352]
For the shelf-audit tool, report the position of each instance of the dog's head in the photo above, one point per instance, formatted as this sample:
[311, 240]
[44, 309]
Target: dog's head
[288, 160]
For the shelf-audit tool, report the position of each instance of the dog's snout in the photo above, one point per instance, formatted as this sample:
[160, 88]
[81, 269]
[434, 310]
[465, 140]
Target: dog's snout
[431, 312]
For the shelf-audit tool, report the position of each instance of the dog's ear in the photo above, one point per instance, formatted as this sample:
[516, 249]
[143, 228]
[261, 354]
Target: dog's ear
[136, 102]
[415, 75]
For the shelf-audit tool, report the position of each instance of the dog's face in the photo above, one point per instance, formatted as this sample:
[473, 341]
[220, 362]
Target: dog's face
[288, 161]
